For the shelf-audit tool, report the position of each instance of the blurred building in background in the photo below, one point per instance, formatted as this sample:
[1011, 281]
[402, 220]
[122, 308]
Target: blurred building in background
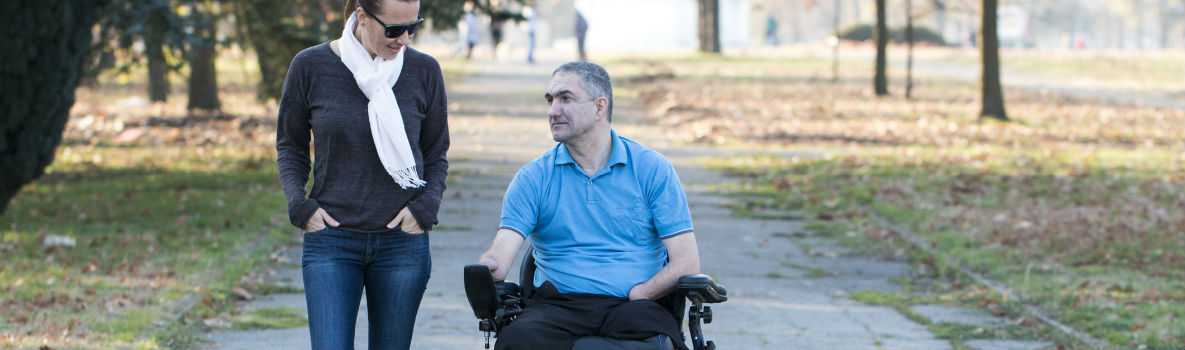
[654, 26]
[625, 26]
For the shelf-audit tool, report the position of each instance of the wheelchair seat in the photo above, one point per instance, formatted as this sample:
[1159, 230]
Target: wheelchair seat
[658, 342]
[497, 304]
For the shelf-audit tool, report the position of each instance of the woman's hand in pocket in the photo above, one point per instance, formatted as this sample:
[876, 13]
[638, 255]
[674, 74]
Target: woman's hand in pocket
[319, 220]
[406, 222]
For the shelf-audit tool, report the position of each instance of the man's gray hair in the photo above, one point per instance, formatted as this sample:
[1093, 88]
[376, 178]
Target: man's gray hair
[594, 79]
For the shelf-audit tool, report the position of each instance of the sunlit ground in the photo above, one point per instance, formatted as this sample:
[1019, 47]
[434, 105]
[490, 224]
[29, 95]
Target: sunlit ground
[1076, 203]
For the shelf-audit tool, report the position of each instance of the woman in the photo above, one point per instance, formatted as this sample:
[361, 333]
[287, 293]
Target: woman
[376, 109]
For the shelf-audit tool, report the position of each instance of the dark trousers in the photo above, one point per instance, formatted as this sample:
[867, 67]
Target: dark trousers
[392, 267]
[553, 321]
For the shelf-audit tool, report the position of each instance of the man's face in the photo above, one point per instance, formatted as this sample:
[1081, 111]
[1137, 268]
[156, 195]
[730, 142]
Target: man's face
[372, 33]
[573, 111]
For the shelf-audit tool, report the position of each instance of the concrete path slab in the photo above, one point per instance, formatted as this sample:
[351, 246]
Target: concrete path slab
[1008, 345]
[959, 315]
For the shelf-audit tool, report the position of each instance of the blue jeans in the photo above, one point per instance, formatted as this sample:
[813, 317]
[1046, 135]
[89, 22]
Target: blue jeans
[337, 264]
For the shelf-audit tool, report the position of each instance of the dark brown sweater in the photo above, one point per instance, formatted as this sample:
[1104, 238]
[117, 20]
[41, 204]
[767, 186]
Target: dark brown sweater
[349, 180]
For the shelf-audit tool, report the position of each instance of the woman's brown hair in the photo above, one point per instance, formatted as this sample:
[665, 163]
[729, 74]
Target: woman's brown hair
[370, 6]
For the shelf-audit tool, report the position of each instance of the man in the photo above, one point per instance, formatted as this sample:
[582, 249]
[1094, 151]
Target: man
[470, 30]
[529, 13]
[581, 33]
[605, 214]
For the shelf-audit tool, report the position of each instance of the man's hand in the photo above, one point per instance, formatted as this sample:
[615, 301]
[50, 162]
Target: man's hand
[637, 293]
[491, 263]
[684, 260]
[406, 222]
[318, 221]
[501, 253]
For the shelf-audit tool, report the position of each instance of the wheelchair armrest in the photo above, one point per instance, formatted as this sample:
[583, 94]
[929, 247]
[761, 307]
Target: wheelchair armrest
[481, 291]
[494, 303]
[702, 288]
[489, 299]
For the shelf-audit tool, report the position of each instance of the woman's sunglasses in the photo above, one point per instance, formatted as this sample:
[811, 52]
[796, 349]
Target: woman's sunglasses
[396, 30]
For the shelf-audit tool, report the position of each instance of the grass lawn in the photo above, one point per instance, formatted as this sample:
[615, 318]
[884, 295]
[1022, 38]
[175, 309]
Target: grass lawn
[1149, 70]
[1077, 205]
[151, 225]
[164, 211]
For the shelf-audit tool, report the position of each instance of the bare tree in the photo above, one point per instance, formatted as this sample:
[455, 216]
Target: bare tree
[909, 55]
[46, 46]
[154, 51]
[880, 82]
[991, 92]
[203, 79]
[709, 26]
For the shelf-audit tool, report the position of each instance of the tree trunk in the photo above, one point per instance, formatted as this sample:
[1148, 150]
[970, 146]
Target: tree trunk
[158, 79]
[273, 51]
[203, 82]
[276, 40]
[880, 82]
[709, 26]
[991, 92]
[46, 45]
[909, 53]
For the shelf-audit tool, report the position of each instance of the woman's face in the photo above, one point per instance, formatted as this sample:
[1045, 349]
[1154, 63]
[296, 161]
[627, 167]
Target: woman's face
[392, 12]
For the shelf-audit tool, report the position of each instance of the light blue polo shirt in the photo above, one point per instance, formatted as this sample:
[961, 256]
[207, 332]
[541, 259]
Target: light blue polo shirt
[600, 234]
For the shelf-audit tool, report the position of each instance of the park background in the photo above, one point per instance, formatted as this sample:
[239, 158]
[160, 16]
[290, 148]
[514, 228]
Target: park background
[1012, 172]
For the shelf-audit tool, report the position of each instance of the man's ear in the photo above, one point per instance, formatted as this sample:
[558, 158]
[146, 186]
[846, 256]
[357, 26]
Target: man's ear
[602, 104]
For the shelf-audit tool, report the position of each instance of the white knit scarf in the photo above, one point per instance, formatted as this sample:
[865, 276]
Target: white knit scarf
[376, 77]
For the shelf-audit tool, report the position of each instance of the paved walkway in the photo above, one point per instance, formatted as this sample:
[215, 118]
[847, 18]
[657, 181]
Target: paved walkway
[498, 122]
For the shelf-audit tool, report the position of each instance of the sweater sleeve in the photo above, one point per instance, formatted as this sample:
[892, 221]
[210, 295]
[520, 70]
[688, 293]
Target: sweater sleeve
[434, 143]
[292, 144]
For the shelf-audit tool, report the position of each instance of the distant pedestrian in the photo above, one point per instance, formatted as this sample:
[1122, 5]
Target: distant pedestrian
[496, 22]
[471, 34]
[771, 30]
[529, 13]
[581, 32]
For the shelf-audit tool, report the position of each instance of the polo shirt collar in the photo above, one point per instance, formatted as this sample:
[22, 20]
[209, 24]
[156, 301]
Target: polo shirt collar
[617, 153]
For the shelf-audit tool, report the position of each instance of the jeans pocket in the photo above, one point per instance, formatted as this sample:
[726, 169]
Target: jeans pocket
[319, 231]
[318, 247]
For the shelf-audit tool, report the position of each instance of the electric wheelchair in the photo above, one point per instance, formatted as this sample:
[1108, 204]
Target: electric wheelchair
[497, 304]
